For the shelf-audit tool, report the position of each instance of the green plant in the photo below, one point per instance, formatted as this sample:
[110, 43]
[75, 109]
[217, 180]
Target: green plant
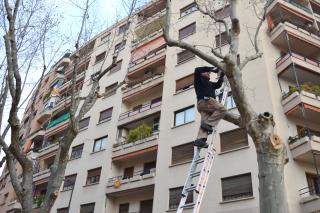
[308, 87]
[38, 200]
[140, 132]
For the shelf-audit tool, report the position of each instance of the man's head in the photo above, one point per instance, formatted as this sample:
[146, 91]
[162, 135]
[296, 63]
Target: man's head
[207, 73]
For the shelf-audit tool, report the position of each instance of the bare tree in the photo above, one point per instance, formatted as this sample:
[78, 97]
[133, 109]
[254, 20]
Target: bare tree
[271, 151]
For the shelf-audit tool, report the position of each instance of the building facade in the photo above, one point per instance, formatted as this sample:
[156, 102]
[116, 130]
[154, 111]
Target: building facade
[135, 146]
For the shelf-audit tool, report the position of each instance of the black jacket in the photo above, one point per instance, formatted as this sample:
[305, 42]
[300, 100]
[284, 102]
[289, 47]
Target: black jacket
[203, 86]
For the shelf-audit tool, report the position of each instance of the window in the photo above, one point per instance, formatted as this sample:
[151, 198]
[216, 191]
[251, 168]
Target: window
[230, 102]
[100, 144]
[119, 46]
[69, 182]
[187, 31]
[223, 12]
[184, 116]
[84, 123]
[76, 152]
[184, 83]
[100, 57]
[175, 196]
[117, 67]
[123, 28]
[110, 90]
[147, 167]
[183, 56]
[221, 39]
[105, 114]
[93, 176]
[314, 187]
[63, 210]
[105, 38]
[124, 208]
[146, 206]
[188, 9]
[87, 208]
[236, 187]
[182, 153]
[233, 139]
[128, 172]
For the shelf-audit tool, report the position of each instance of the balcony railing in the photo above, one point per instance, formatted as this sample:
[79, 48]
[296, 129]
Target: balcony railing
[60, 119]
[283, 58]
[140, 110]
[138, 175]
[305, 8]
[310, 190]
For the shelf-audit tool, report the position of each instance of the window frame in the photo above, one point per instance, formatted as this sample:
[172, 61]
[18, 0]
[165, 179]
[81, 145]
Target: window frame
[178, 191]
[71, 186]
[185, 157]
[100, 57]
[101, 145]
[192, 7]
[86, 205]
[73, 150]
[107, 118]
[178, 89]
[181, 61]
[184, 115]
[96, 177]
[180, 34]
[83, 120]
[237, 196]
[231, 146]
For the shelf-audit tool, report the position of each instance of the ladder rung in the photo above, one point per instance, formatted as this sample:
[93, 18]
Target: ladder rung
[200, 160]
[188, 205]
[191, 188]
[195, 174]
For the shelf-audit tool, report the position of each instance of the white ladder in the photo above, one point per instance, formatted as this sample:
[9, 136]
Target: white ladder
[204, 173]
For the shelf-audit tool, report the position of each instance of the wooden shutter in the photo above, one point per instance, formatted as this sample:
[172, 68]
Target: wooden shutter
[94, 172]
[236, 187]
[84, 123]
[223, 12]
[233, 139]
[128, 172]
[186, 31]
[106, 114]
[184, 82]
[100, 57]
[124, 208]
[87, 208]
[175, 196]
[184, 56]
[182, 153]
[63, 210]
[146, 206]
[224, 39]
[117, 67]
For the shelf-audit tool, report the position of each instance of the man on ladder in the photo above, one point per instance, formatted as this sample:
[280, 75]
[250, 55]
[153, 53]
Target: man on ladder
[210, 109]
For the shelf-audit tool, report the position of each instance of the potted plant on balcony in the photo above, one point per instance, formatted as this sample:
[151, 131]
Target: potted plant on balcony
[141, 132]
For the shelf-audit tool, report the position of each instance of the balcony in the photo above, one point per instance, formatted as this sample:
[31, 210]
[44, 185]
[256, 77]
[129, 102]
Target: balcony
[14, 206]
[139, 182]
[148, 55]
[57, 77]
[44, 115]
[292, 106]
[48, 148]
[300, 41]
[302, 148]
[58, 124]
[143, 89]
[124, 149]
[146, 39]
[307, 70]
[140, 113]
[310, 199]
[68, 83]
[41, 174]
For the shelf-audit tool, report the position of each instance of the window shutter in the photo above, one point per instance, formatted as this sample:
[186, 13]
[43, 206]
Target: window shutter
[84, 123]
[236, 187]
[69, 181]
[184, 56]
[128, 172]
[117, 67]
[186, 31]
[146, 206]
[224, 39]
[76, 151]
[62, 210]
[223, 12]
[124, 208]
[182, 153]
[106, 114]
[184, 82]
[87, 208]
[100, 57]
[175, 196]
[233, 139]
[94, 172]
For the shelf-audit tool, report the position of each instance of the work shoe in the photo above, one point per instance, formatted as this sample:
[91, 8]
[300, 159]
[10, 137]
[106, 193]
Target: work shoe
[201, 143]
[206, 127]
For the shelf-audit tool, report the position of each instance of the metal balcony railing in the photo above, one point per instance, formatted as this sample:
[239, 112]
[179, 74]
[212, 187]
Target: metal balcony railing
[283, 58]
[305, 8]
[310, 190]
[143, 108]
[135, 174]
[142, 139]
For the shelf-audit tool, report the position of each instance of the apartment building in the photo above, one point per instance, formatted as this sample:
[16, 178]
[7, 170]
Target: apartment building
[135, 146]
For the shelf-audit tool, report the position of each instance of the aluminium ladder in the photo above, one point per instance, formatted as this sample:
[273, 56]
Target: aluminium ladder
[204, 173]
